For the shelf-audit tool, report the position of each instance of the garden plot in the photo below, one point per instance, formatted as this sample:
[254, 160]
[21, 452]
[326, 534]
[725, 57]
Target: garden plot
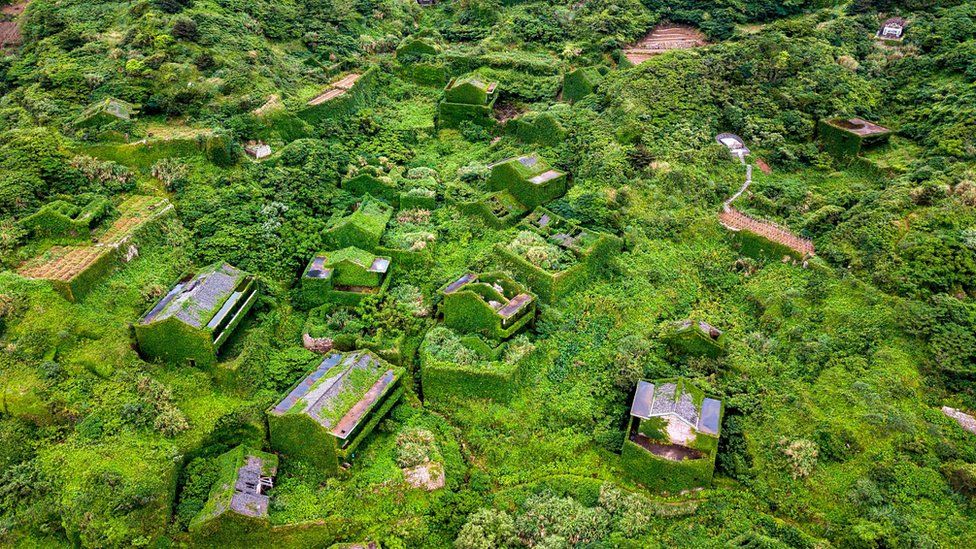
[336, 89]
[73, 269]
[9, 26]
[664, 38]
[63, 263]
[136, 212]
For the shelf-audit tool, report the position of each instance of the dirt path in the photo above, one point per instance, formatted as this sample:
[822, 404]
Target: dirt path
[735, 220]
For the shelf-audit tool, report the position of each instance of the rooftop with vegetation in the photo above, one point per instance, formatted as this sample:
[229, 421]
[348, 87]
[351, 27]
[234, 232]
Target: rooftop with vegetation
[770, 205]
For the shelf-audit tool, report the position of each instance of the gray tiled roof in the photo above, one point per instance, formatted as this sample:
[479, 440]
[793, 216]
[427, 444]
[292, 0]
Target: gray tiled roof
[664, 399]
[197, 301]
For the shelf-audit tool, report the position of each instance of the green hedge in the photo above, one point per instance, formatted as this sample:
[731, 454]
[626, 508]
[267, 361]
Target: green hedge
[409, 259]
[415, 49]
[580, 83]
[444, 380]
[465, 60]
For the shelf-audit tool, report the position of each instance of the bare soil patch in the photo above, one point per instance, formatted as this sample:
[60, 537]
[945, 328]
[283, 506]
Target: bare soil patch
[664, 38]
[671, 452]
[336, 89]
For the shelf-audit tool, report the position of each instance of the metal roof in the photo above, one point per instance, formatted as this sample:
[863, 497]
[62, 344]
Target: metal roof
[460, 282]
[545, 176]
[711, 412]
[325, 388]
[515, 305]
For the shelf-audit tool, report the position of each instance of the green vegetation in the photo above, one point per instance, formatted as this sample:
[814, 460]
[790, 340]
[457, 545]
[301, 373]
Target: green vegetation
[121, 169]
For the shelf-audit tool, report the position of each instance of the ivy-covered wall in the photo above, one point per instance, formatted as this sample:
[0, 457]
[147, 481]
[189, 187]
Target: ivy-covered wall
[300, 438]
[379, 186]
[580, 83]
[362, 229]
[538, 128]
[443, 381]
[662, 475]
[451, 115]
[173, 341]
[845, 145]
[692, 341]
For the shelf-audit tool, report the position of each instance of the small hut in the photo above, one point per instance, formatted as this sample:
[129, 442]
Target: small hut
[892, 29]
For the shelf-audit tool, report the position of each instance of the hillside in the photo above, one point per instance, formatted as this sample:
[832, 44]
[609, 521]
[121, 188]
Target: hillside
[310, 273]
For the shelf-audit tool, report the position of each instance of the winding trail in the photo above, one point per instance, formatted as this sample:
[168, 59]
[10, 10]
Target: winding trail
[734, 220]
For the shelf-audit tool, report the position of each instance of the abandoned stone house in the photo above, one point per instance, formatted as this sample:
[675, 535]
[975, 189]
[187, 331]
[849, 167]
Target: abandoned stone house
[239, 496]
[492, 304]
[529, 179]
[325, 416]
[257, 150]
[892, 29]
[349, 271]
[197, 316]
[673, 434]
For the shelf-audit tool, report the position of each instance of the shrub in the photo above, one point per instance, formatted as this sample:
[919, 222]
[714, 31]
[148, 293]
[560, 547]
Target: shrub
[487, 529]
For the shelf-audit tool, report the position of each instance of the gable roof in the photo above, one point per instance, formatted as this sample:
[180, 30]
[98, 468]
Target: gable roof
[472, 81]
[200, 299]
[341, 391]
[680, 399]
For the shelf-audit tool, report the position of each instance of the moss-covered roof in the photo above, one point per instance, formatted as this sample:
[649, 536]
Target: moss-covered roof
[372, 215]
[197, 300]
[341, 391]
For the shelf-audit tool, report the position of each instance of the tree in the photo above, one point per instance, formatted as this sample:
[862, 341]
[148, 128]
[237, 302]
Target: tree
[487, 529]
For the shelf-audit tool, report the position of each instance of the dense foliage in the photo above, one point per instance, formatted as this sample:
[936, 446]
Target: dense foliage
[833, 370]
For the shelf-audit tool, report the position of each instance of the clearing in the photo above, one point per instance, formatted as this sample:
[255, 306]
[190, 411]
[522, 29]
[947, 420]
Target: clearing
[664, 38]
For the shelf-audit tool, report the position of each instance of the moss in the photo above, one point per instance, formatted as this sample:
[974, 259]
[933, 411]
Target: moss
[581, 82]
[467, 309]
